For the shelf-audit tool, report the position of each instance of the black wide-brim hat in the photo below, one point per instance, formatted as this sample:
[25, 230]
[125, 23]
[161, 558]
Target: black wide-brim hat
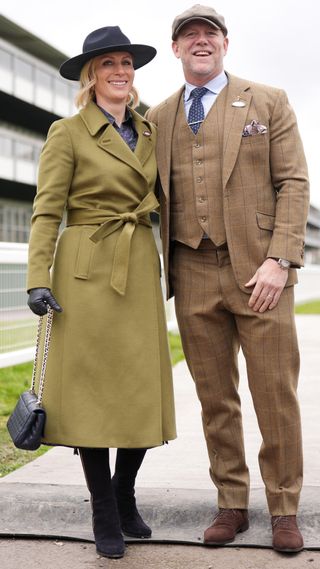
[105, 40]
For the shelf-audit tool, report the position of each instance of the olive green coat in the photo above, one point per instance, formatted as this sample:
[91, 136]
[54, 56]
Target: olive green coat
[108, 381]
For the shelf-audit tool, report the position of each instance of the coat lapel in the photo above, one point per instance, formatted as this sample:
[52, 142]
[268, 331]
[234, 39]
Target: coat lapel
[111, 142]
[234, 123]
[146, 138]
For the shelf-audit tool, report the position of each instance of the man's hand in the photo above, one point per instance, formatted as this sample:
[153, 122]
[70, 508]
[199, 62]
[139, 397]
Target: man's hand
[269, 282]
[40, 298]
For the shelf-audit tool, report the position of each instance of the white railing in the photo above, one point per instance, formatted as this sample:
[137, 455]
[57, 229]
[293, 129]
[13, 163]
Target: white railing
[18, 324]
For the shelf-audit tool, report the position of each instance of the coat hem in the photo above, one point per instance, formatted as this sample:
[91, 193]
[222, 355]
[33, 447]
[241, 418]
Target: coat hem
[149, 444]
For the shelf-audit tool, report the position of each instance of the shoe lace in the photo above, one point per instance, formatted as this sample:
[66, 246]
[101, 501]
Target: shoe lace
[284, 522]
[225, 515]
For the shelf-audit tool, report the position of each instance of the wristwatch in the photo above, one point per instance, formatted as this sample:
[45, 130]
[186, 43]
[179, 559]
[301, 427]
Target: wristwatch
[284, 264]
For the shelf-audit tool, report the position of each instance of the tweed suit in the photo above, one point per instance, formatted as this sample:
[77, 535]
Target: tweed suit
[264, 202]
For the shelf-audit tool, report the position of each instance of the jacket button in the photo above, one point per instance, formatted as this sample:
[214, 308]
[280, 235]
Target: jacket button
[203, 218]
[199, 180]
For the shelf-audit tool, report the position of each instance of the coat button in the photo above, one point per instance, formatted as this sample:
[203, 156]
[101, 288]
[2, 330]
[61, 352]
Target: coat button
[203, 218]
[199, 179]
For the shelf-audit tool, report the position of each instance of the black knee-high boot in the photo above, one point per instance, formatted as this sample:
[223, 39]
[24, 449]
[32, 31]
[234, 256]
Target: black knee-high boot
[128, 462]
[105, 516]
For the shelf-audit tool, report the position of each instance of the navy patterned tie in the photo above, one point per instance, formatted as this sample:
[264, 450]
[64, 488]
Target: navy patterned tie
[196, 112]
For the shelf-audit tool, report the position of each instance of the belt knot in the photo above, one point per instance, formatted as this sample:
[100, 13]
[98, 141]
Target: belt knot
[130, 217]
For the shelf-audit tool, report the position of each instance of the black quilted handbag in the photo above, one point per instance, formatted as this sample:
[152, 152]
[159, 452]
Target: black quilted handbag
[27, 421]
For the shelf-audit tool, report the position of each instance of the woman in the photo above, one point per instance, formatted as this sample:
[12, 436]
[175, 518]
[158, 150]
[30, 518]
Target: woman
[108, 381]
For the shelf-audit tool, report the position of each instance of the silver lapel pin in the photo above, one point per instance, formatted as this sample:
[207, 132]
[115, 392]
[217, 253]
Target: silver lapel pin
[239, 102]
[146, 133]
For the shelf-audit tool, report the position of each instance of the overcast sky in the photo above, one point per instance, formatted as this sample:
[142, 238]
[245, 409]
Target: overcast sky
[276, 42]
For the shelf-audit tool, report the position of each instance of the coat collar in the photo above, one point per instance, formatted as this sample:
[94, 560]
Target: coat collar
[111, 141]
[93, 118]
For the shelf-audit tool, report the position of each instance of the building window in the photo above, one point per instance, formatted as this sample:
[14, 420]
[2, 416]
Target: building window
[61, 98]
[19, 156]
[43, 94]
[39, 84]
[6, 74]
[15, 221]
[23, 80]
[24, 163]
[6, 158]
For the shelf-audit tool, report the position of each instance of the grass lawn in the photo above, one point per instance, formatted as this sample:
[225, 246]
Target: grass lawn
[16, 379]
[17, 334]
[13, 380]
[311, 307]
[175, 348]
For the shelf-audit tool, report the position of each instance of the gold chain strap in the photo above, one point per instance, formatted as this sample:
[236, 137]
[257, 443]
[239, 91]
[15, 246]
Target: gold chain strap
[45, 353]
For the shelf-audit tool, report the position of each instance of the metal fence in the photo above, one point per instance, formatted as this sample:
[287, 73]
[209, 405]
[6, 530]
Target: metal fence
[17, 323]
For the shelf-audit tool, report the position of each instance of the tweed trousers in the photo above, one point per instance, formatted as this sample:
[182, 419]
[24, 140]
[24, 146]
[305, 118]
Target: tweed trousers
[215, 321]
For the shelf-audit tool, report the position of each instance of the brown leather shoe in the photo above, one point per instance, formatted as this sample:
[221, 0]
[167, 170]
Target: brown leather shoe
[226, 524]
[286, 535]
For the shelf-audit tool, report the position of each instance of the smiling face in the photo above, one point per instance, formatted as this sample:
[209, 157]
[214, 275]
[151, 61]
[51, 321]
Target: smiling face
[114, 77]
[201, 48]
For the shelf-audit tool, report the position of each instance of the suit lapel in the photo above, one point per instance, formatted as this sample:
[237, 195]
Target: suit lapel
[234, 123]
[166, 120]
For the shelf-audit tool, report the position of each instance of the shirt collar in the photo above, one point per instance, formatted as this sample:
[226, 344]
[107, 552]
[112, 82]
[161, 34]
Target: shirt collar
[111, 119]
[215, 85]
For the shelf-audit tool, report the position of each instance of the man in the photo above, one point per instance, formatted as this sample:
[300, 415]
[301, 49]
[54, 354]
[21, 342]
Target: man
[234, 202]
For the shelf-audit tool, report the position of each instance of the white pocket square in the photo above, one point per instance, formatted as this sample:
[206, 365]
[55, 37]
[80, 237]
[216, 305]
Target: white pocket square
[254, 128]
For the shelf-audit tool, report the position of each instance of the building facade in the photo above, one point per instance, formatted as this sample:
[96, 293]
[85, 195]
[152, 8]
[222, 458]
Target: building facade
[32, 96]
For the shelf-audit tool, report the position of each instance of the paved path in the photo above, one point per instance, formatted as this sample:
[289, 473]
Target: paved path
[180, 466]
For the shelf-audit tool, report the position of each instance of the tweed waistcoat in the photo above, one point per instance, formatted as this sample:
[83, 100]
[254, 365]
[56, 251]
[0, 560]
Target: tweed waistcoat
[196, 178]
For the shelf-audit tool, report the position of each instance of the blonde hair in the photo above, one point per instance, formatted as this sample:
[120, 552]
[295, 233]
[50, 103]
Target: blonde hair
[88, 80]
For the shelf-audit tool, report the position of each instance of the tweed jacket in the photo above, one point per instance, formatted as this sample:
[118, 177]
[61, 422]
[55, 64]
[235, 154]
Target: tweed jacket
[264, 178]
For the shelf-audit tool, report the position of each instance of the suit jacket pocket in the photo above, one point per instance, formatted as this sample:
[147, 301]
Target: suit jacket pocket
[85, 252]
[254, 139]
[265, 220]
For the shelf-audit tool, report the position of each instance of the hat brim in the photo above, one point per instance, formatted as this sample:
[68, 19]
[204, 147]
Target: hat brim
[142, 54]
[216, 25]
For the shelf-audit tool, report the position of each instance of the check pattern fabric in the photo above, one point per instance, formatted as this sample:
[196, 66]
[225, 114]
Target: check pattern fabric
[264, 188]
[214, 320]
[196, 112]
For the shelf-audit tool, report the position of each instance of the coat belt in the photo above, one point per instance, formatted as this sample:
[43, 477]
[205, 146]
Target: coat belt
[113, 221]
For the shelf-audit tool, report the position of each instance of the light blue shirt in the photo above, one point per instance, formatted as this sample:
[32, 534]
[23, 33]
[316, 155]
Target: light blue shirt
[214, 87]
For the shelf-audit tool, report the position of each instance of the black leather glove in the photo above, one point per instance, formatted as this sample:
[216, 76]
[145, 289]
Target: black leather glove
[40, 298]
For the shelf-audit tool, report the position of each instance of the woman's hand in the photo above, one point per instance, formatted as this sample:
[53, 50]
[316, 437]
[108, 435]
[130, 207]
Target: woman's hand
[40, 298]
